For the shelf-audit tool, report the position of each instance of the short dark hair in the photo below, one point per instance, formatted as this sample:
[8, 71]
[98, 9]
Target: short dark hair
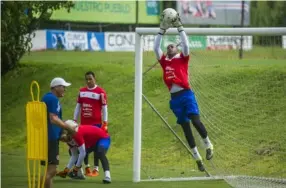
[90, 73]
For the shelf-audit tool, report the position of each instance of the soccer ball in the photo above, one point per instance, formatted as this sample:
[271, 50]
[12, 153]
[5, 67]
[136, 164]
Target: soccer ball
[168, 16]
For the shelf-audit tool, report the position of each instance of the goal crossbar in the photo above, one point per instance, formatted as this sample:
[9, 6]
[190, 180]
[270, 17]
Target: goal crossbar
[217, 31]
[139, 32]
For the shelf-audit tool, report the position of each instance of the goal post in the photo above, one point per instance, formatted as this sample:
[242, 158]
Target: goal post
[138, 107]
[139, 33]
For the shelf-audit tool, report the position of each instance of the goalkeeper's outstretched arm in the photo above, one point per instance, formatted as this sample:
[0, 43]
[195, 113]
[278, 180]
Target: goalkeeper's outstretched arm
[184, 39]
[158, 39]
[185, 43]
[157, 46]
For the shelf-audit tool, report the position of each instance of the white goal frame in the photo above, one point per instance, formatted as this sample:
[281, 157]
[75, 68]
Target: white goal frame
[139, 32]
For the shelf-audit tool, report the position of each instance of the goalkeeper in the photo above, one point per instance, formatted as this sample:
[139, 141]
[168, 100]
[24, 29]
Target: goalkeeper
[183, 102]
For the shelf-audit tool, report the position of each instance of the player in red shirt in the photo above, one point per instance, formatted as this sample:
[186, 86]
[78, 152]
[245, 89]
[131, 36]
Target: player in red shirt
[92, 106]
[183, 102]
[87, 139]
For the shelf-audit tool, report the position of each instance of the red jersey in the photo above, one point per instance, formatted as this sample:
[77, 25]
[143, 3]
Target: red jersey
[175, 70]
[91, 101]
[89, 135]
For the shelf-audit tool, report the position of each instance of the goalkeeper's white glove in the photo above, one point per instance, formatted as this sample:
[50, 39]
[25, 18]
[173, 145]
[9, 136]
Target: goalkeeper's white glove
[178, 24]
[163, 26]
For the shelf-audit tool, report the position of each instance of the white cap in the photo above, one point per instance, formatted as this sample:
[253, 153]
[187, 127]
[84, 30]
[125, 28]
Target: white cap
[59, 82]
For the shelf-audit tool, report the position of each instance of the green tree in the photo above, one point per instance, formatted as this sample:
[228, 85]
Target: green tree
[18, 21]
[268, 14]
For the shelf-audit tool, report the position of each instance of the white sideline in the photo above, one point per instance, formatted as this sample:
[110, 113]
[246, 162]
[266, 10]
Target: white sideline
[280, 180]
[283, 181]
[185, 179]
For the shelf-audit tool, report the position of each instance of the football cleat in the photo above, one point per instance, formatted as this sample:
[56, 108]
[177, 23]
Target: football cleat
[95, 173]
[200, 165]
[63, 173]
[88, 171]
[80, 177]
[209, 153]
[74, 175]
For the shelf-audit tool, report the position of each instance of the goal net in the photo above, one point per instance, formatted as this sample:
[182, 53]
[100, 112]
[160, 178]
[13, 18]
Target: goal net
[242, 104]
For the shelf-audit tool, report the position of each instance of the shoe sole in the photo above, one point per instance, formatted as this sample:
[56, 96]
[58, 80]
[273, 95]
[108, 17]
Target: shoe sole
[89, 175]
[106, 181]
[94, 175]
[77, 178]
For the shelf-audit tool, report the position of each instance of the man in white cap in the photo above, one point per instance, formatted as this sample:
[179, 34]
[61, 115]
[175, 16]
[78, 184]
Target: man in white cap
[55, 126]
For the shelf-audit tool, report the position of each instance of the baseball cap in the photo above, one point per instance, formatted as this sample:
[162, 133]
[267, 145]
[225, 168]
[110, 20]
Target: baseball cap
[59, 82]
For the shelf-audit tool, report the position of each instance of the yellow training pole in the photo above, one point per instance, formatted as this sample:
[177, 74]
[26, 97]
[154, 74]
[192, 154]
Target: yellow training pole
[37, 137]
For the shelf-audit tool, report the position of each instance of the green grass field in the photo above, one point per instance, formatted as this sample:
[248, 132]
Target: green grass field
[242, 104]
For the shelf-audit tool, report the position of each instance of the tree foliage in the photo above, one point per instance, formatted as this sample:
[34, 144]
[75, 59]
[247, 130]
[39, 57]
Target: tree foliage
[268, 14]
[18, 21]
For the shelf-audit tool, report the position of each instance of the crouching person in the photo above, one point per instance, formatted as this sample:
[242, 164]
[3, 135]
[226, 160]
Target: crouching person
[85, 140]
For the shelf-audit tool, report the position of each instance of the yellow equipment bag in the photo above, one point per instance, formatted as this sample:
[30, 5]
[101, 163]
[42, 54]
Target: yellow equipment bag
[37, 139]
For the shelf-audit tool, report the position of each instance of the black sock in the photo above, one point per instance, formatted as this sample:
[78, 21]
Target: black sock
[188, 134]
[95, 159]
[101, 153]
[86, 159]
[104, 162]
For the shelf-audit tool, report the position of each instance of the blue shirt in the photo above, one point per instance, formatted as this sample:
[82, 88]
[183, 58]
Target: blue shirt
[53, 106]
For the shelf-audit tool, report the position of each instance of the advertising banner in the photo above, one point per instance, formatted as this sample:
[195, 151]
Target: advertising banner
[148, 42]
[208, 12]
[149, 11]
[111, 12]
[125, 42]
[228, 42]
[195, 42]
[71, 40]
[95, 41]
[122, 41]
[39, 42]
[99, 11]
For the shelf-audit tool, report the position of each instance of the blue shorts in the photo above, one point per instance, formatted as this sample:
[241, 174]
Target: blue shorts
[103, 143]
[183, 105]
[97, 125]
